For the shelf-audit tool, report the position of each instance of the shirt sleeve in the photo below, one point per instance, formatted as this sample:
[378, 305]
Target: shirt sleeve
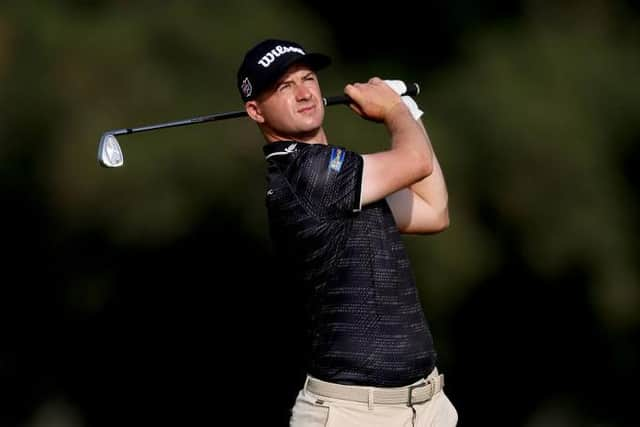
[330, 180]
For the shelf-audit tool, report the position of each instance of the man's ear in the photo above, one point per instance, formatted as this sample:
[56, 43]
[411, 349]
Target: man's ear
[253, 110]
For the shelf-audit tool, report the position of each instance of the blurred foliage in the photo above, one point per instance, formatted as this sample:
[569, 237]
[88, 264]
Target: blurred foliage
[532, 109]
[536, 127]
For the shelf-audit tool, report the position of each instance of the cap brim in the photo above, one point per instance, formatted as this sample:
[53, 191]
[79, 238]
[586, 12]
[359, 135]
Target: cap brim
[315, 61]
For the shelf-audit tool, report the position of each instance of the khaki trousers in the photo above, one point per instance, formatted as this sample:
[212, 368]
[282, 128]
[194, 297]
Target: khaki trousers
[313, 410]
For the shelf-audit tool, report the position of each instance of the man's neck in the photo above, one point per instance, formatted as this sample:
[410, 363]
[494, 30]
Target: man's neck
[316, 137]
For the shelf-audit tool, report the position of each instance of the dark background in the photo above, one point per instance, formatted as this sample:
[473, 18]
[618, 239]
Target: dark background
[150, 293]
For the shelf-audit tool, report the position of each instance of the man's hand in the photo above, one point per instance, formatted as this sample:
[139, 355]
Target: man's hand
[373, 100]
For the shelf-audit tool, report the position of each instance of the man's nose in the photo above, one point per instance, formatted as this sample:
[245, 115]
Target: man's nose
[302, 92]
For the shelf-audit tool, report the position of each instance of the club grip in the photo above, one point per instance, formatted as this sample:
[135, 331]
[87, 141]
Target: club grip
[413, 89]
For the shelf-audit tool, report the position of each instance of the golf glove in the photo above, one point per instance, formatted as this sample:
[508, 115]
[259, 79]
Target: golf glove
[399, 87]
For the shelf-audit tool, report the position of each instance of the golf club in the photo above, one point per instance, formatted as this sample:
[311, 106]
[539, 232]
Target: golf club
[110, 154]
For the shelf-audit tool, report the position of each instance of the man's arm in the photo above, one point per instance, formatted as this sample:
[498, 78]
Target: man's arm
[422, 208]
[410, 158]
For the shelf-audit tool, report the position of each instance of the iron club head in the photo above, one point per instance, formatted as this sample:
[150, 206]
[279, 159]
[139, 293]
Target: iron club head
[109, 152]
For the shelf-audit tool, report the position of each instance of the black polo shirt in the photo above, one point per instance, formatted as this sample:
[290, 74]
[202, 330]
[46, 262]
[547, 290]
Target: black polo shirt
[366, 324]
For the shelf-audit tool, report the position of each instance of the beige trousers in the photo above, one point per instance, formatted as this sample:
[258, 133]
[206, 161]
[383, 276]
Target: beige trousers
[311, 410]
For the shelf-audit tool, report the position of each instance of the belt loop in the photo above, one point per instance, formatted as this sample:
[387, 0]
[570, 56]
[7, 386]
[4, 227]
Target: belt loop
[370, 398]
[306, 382]
[437, 384]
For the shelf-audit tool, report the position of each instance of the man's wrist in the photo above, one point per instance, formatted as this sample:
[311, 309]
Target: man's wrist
[395, 115]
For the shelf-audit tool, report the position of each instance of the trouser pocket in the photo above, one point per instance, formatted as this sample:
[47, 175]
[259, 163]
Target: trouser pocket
[307, 412]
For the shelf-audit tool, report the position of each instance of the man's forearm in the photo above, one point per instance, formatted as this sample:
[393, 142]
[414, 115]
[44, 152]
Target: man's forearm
[408, 135]
[433, 188]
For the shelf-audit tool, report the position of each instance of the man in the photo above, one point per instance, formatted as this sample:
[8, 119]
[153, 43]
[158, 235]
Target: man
[335, 217]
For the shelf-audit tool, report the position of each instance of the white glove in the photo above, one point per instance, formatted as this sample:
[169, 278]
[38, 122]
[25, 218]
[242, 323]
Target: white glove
[399, 87]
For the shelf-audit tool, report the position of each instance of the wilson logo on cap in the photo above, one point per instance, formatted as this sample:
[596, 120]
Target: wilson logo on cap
[271, 56]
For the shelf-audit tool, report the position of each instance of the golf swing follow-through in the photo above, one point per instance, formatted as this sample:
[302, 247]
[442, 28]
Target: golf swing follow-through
[110, 153]
[335, 218]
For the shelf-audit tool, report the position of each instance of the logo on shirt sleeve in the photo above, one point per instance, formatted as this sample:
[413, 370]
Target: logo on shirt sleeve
[337, 158]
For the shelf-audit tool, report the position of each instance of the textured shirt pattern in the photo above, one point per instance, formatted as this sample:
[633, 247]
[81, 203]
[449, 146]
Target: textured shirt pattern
[366, 325]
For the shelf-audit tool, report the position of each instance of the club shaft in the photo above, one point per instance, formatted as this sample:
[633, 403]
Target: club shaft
[191, 121]
[412, 89]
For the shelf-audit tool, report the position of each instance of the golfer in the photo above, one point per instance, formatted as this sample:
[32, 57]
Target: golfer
[335, 218]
